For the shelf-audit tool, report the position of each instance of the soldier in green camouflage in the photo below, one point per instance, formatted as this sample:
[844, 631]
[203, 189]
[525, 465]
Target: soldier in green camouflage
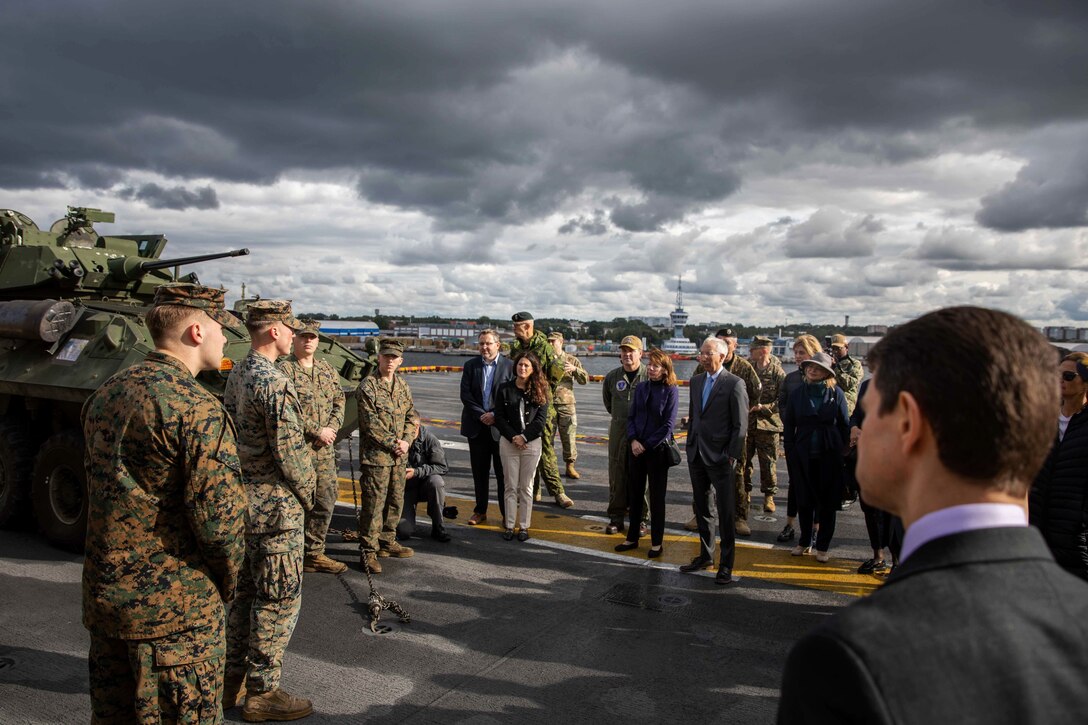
[743, 369]
[387, 427]
[534, 341]
[563, 408]
[165, 526]
[280, 484]
[617, 392]
[318, 388]
[764, 423]
[848, 371]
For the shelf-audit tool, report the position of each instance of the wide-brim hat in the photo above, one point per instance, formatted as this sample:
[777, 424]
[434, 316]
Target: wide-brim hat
[820, 359]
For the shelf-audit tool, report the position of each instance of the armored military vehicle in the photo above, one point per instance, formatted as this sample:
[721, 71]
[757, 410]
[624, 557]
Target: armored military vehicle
[71, 315]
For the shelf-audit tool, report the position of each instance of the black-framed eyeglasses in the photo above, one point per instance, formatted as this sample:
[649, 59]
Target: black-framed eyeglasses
[1069, 376]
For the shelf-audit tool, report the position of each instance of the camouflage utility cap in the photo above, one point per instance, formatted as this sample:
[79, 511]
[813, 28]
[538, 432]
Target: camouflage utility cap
[273, 311]
[389, 346]
[555, 336]
[839, 341]
[522, 317]
[632, 342]
[207, 299]
[309, 326]
[761, 341]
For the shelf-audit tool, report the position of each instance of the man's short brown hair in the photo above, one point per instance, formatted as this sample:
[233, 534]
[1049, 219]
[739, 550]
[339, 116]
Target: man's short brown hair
[488, 331]
[984, 381]
[165, 320]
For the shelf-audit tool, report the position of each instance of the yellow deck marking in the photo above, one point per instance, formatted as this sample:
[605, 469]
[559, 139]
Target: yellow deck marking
[758, 562]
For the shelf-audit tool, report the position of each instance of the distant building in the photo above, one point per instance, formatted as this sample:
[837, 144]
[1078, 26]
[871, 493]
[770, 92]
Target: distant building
[679, 346]
[356, 328]
[652, 321]
[876, 330]
[1065, 334]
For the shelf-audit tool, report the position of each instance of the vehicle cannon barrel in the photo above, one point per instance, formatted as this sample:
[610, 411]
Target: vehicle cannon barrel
[130, 268]
[45, 320]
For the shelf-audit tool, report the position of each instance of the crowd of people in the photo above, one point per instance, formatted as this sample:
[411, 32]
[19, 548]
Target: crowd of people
[197, 505]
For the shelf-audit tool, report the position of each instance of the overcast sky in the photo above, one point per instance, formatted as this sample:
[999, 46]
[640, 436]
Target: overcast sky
[791, 159]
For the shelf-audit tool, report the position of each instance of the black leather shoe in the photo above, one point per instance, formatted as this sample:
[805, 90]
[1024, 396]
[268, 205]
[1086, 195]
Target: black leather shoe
[788, 532]
[654, 553]
[724, 575]
[697, 564]
[440, 535]
[627, 546]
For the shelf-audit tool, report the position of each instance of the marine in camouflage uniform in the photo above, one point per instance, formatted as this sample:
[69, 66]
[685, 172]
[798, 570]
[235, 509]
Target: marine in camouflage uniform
[617, 391]
[548, 469]
[765, 426]
[322, 399]
[280, 484]
[848, 371]
[165, 528]
[387, 426]
[563, 405]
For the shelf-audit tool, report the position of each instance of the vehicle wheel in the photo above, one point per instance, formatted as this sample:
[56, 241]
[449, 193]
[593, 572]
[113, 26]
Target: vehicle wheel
[16, 456]
[59, 490]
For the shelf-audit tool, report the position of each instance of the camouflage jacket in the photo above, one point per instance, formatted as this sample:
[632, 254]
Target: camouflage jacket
[276, 466]
[771, 379]
[538, 344]
[321, 397]
[564, 391]
[386, 415]
[166, 508]
[848, 375]
[617, 394]
[743, 370]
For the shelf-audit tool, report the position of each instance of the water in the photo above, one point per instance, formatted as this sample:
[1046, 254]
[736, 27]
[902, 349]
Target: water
[593, 365]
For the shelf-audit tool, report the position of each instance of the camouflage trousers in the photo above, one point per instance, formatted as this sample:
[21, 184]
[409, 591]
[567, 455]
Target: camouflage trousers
[743, 493]
[548, 470]
[265, 608]
[762, 444]
[177, 678]
[319, 518]
[618, 449]
[566, 422]
[380, 506]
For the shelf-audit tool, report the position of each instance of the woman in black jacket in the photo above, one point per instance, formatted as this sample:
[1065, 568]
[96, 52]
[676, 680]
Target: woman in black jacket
[1058, 504]
[817, 429]
[804, 347]
[521, 409]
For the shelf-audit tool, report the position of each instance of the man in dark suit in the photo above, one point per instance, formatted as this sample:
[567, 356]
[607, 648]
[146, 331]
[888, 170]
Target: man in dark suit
[717, 425]
[977, 624]
[480, 380]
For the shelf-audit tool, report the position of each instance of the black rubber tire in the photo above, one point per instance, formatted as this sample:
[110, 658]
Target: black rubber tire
[16, 458]
[59, 490]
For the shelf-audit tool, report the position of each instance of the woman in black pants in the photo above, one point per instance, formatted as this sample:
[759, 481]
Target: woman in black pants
[878, 523]
[817, 428]
[650, 423]
[804, 347]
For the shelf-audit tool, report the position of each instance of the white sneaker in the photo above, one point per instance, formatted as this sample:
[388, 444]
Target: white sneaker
[799, 550]
[822, 556]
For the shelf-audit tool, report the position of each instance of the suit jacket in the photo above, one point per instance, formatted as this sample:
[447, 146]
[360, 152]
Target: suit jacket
[977, 627]
[717, 432]
[472, 393]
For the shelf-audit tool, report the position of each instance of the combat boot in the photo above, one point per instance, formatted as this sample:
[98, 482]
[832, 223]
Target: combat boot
[322, 563]
[234, 691]
[742, 528]
[571, 473]
[276, 705]
[768, 503]
[395, 549]
[369, 560]
[692, 525]
[563, 500]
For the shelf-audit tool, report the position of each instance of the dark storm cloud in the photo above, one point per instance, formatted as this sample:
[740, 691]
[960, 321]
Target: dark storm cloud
[831, 233]
[592, 225]
[480, 112]
[175, 197]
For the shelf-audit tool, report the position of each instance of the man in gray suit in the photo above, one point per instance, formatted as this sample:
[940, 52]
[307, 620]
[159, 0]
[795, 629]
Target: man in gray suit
[480, 380]
[978, 623]
[717, 425]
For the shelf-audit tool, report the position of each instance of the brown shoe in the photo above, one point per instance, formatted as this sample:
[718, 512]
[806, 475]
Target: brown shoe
[742, 528]
[234, 691]
[477, 519]
[768, 503]
[692, 525]
[276, 705]
[571, 473]
[563, 500]
[537, 495]
[370, 560]
[322, 563]
[396, 549]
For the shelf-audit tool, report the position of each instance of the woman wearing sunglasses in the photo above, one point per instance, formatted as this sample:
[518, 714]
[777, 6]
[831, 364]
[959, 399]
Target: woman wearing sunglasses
[1059, 497]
